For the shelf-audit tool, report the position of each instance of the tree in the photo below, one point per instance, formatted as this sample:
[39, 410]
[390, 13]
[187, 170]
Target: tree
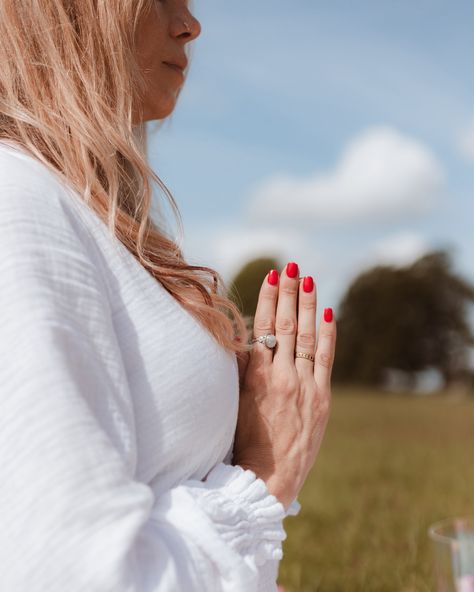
[409, 319]
[245, 287]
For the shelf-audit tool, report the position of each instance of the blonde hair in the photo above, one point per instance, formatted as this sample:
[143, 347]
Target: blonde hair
[69, 83]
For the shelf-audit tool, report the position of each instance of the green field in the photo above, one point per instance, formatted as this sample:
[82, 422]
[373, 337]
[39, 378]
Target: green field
[390, 465]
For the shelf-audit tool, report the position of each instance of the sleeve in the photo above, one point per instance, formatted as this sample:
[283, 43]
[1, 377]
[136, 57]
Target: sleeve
[73, 516]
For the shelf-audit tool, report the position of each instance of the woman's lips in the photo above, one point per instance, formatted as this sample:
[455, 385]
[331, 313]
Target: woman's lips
[175, 68]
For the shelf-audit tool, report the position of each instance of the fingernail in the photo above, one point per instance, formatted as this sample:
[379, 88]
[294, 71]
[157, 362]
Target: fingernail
[308, 284]
[328, 315]
[292, 270]
[273, 277]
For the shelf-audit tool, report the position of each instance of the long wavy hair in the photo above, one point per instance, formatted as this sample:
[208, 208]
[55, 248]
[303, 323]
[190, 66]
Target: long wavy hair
[69, 84]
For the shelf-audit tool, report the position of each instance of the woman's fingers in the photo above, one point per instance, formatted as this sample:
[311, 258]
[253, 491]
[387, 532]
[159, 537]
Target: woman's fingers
[306, 333]
[286, 318]
[264, 320]
[287, 308]
[325, 351]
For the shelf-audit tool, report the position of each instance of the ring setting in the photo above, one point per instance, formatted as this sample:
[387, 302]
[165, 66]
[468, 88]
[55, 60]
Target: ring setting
[269, 340]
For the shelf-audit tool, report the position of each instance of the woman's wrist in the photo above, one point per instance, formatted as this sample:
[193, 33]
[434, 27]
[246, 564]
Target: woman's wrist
[274, 485]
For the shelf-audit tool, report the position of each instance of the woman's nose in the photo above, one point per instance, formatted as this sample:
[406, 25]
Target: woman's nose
[185, 26]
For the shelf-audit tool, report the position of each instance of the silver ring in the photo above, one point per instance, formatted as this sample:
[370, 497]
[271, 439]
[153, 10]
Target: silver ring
[269, 340]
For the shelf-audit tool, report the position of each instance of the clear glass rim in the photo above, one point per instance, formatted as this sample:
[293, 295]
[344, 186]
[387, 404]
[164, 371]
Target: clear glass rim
[442, 538]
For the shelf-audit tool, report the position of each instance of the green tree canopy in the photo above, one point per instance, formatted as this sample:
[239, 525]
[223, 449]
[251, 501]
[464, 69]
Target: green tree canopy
[409, 318]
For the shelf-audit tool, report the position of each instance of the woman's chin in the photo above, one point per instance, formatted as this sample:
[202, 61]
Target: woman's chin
[160, 111]
[165, 107]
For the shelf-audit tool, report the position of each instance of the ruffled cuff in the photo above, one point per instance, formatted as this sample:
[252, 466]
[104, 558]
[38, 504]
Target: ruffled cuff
[294, 508]
[246, 515]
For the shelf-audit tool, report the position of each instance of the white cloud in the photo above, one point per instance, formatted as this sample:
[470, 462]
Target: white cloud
[400, 249]
[382, 174]
[228, 248]
[466, 142]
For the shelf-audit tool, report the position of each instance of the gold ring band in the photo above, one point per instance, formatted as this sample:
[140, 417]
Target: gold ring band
[305, 356]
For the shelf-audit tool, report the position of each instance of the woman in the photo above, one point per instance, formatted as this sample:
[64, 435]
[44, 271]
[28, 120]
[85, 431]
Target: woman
[130, 462]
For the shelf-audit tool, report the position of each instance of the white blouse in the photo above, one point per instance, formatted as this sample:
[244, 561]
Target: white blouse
[115, 404]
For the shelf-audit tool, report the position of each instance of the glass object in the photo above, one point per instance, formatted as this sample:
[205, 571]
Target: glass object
[453, 545]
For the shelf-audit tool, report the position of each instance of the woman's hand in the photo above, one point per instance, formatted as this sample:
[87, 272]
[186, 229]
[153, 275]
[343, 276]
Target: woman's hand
[242, 363]
[285, 401]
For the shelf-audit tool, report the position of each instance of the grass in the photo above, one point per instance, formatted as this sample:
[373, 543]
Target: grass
[390, 466]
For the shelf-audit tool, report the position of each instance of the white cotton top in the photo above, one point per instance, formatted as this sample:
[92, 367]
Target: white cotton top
[115, 404]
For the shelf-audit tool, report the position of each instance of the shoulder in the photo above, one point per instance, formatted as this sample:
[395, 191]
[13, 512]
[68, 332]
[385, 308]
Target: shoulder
[20, 169]
[45, 245]
[36, 204]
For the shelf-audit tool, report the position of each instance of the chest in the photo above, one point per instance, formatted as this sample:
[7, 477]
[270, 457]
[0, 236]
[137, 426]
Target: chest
[184, 387]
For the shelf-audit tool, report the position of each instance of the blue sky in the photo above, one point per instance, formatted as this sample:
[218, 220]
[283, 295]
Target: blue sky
[335, 134]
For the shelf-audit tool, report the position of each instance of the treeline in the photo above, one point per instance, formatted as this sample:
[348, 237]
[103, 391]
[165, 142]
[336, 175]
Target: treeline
[407, 319]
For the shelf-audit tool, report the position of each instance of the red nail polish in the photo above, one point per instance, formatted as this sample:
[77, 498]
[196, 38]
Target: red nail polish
[292, 270]
[273, 277]
[328, 315]
[308, 284]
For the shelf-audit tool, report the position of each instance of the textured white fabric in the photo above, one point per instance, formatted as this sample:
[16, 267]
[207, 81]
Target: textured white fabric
[117, 417]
